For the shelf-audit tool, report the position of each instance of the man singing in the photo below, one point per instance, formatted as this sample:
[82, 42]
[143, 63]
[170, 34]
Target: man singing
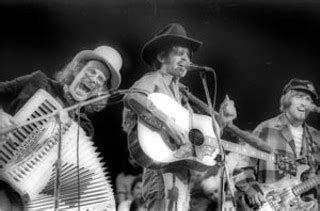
[289, 135]
[88, 74]
[168, 54]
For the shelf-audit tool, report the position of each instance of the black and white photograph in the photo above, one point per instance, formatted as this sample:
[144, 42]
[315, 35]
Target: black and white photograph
[173, 105]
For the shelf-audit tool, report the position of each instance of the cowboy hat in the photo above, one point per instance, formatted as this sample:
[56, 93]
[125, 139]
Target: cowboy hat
[171, 34]
[108, 56]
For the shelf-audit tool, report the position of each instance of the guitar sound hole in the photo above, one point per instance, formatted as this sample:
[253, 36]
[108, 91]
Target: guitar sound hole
[196, 137]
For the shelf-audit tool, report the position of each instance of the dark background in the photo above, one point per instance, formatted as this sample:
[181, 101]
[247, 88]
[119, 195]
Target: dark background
[254, 46]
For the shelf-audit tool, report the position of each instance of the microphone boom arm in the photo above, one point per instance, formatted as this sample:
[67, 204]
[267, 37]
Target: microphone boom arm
[192, 66]
[9, 128]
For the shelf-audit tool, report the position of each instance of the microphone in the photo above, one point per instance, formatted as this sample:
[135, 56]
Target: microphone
[314, 108]
[192, 66]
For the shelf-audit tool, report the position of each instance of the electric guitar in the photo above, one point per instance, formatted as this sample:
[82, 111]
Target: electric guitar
[155, 149]
[286, 192]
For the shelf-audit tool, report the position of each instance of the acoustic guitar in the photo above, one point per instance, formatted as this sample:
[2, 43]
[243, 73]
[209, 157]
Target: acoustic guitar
[155, 149]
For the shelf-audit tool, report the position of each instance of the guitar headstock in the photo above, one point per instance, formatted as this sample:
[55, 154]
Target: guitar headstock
[286, 165]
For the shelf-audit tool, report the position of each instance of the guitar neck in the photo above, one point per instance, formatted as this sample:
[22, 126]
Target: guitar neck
[246, 136]
[305, 186]
[247, 151]
[249, 138]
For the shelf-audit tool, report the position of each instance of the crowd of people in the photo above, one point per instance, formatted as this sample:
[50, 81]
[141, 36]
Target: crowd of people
[165, 167]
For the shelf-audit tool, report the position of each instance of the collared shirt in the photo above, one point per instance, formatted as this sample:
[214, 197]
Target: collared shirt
[157, 81]
[136, 104]
[276, 133]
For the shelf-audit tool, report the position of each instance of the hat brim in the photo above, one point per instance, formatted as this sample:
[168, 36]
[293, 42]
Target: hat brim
[302, 89]
[90, 55]
[155, 45]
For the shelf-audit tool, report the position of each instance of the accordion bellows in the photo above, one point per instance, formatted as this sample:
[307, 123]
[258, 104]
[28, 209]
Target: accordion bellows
[28, 156]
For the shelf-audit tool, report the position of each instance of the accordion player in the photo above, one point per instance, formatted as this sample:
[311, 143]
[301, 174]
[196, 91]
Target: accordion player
[26, 151]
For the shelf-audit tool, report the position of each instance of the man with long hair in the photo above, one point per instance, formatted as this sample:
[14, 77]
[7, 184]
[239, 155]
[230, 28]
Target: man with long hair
[90, 73]
[168, 54]
[288, 134]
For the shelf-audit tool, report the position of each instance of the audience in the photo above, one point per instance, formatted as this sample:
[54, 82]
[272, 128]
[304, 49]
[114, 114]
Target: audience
[124, 180]
[136, 193]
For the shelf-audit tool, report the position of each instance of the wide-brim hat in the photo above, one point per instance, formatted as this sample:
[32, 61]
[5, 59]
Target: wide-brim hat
[172, 34]
[301, 85]
[107, 55]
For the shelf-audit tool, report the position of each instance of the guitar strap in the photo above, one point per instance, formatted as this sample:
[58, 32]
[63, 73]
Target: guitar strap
[188, 100]
[310, 147]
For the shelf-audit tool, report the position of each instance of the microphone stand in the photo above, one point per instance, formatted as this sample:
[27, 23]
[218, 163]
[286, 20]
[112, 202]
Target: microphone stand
[225, 170]
[58, 116]
[10, 128]
[58, 165]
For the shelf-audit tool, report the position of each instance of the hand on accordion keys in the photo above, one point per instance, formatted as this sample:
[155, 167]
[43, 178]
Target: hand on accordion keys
[7, 123]
[6, 119]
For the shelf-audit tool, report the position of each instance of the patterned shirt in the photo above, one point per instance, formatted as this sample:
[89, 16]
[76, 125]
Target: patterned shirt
[250, 171]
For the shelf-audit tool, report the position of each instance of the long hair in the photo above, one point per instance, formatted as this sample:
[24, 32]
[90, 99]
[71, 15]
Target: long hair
[66, 76]
[163, 53]
[285, 100]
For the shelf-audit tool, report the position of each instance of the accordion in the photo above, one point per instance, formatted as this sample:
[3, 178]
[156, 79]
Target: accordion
[28, 156]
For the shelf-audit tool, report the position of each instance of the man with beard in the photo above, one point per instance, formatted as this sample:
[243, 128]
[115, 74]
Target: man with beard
[168, 54]
[289, 135]
[89, 73]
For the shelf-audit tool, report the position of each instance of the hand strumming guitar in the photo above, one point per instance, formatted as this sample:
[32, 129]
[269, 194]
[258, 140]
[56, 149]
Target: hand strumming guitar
[153, 118]
[227, 111]
[179, 138]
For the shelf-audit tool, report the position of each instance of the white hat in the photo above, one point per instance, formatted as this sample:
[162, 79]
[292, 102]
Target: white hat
[108, 56]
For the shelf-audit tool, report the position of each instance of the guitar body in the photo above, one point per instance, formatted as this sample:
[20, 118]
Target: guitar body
[279, 195]
[154, 148]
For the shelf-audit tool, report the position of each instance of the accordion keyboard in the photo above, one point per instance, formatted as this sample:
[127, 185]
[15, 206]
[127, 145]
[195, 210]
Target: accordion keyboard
[21, 139]
[29, 153]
